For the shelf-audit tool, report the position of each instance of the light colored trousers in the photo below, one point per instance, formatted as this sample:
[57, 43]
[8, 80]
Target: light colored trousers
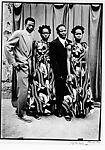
[22, 91]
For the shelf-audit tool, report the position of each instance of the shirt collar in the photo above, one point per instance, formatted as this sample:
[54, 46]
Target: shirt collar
[29, 34]
[62, 41]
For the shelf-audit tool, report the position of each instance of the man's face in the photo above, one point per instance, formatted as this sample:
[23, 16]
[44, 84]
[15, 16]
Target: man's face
[30, 26]
[62, 32]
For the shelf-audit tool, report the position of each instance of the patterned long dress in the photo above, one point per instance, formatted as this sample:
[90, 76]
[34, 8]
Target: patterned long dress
[81, 81]
[41, 90]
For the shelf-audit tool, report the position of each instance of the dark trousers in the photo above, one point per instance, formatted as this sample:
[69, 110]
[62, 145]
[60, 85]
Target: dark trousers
[60, 92]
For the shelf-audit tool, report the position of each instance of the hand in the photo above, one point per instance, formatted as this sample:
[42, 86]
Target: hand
[68, 47]
[80, 89]
[70, 77]
[17, 66]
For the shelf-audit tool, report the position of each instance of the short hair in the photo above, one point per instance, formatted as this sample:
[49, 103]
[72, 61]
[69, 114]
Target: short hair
[57, 28]
[29, 19]
[77, 27]
[44, 27]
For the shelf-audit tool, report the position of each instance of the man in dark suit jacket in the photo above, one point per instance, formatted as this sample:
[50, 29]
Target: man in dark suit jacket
[58, 57]
[18, 51]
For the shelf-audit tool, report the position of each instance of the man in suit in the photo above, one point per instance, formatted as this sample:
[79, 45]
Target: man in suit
[18, 51]
[58, 57]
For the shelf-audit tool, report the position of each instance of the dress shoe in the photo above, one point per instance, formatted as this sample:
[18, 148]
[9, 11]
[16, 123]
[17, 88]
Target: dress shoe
[25, 118]
[68, 118]
[58, 114]
[33, 114]
[37, 116]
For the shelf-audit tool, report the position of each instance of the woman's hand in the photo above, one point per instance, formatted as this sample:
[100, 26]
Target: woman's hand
[70, 77]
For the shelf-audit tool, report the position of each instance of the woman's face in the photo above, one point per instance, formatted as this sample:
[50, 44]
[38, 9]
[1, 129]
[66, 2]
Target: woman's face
[45, 34]
[78, 34]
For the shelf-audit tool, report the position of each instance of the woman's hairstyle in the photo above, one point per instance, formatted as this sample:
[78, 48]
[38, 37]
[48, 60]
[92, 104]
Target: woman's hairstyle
[44, 27]
[29, 19]
[77, 27]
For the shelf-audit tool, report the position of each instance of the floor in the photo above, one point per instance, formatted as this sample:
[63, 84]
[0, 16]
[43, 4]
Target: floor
[49, 127]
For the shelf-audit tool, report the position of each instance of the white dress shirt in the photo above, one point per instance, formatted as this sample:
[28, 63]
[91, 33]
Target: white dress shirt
[63, 41]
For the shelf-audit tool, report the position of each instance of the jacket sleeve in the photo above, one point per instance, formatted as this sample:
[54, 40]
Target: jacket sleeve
[53, 60]
[9, 48]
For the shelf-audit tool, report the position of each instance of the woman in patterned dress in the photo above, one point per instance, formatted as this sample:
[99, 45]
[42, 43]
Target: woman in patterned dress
[41, 93]
[78, 75]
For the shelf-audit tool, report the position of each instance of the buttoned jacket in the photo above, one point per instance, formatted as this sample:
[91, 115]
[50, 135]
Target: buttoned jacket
[58, 57]
[19, 48]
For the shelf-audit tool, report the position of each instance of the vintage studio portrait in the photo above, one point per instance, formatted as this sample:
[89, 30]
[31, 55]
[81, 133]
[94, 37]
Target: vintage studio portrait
[51, 71]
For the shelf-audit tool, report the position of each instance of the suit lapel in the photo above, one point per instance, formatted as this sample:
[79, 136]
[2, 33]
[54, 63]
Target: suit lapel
[60, 42]
[61, 49]
[27, 41]
[66, 42]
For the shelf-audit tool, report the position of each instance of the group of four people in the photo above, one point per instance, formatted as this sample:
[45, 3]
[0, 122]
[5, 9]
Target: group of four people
[52, 77]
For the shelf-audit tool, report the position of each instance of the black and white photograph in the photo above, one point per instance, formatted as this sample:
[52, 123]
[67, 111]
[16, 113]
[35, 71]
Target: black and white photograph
[51, 71]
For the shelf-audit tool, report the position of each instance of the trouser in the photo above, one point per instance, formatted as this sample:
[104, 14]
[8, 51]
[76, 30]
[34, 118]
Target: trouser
[14, 88]
[22, 91]
[60, 92]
